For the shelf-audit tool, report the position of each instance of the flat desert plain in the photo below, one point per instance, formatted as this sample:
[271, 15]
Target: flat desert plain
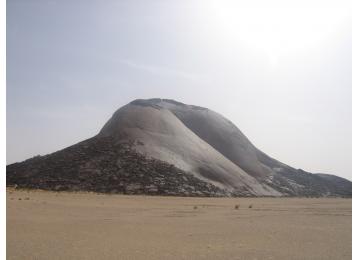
[50, 225]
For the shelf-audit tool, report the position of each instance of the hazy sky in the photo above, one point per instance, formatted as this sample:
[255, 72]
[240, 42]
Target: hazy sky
[281, 73]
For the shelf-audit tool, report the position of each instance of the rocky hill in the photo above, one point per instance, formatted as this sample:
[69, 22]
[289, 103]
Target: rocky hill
[161, 146]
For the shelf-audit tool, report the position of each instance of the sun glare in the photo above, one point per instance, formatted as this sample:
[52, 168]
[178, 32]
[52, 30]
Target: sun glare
[276, 32]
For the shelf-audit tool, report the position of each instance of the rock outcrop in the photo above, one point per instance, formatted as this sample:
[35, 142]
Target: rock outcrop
[164, 147]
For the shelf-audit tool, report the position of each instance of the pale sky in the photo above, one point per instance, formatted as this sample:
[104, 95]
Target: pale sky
[280, 72]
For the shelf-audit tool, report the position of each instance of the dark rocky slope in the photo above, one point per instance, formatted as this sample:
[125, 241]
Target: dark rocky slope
[161, 146]
[103, 165]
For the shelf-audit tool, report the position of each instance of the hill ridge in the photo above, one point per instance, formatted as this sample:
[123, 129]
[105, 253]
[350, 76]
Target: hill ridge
[190, 140]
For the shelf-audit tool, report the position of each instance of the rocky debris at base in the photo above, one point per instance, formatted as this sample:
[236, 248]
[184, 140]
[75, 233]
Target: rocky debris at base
[134, 151]
[101, 165]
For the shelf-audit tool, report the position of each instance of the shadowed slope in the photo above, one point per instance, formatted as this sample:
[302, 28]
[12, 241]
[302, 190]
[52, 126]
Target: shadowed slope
[191, 143]
[158, 133]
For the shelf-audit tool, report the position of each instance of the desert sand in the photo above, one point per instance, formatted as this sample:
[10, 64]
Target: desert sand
[51, 225]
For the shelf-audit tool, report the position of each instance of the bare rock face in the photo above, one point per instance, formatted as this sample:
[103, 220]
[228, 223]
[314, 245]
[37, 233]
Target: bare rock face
[160, 146]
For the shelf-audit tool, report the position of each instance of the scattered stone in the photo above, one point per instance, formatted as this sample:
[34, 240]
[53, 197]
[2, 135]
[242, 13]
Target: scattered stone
[133, 187]
[103, 165]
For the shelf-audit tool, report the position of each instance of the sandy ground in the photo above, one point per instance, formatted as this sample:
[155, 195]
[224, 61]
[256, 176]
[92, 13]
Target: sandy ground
[49, 225]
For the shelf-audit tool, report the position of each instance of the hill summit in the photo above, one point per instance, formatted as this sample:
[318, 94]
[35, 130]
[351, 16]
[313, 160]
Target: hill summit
[164, 147]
